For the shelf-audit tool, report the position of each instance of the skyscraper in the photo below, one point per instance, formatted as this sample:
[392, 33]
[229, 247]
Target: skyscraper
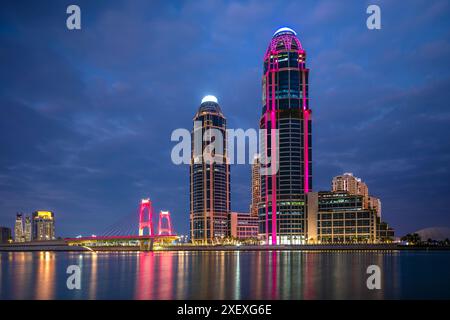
[28, 229]
[256, 186]
[43, 225]
[209, 180]
[18, 228]
[282, 211]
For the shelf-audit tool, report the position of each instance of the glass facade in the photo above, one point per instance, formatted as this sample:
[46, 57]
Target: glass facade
[342, 218]
[209, 181]
[285, 107]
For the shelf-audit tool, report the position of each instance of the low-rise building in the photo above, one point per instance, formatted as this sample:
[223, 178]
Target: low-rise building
[341, 217]
[243, 225]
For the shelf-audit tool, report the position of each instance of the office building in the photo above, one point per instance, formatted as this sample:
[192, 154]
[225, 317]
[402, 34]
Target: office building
[286, 111]
[340, 218]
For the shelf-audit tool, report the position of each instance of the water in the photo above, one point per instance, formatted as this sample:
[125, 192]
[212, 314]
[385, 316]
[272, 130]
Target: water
[226, 275]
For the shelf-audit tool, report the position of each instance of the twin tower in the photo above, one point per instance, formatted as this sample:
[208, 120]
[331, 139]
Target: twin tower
[281, 208]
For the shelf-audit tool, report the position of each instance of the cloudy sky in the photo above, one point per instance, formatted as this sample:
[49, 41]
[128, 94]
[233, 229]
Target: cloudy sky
[86, 116]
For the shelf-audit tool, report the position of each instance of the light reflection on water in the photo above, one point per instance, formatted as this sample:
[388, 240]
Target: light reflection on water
[225, 275]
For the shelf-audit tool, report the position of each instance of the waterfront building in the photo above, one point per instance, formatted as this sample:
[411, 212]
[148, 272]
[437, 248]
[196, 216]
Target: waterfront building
[43, 225]
[351, 184]
[375, 203]
[18, 228]
[209, 180]
[5, 235]
[340, 217]
[256, 186]
[384, 232]
[243, 226]
[285, 107]
[28, 234]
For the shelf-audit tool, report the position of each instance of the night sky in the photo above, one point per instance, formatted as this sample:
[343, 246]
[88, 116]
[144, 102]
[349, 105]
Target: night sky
[86, 116]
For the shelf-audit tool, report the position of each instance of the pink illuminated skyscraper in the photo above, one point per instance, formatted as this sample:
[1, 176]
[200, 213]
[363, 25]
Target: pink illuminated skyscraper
[282, 210]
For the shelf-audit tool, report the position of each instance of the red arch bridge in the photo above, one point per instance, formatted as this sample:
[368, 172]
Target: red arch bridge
[123, 234]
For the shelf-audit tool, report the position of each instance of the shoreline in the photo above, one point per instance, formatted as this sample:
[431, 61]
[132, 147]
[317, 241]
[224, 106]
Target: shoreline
[61, 246]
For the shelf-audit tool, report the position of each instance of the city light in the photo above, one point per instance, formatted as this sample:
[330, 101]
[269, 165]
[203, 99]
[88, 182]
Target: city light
[209, 99]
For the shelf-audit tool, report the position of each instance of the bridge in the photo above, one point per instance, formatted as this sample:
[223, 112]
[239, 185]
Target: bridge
[145, 240]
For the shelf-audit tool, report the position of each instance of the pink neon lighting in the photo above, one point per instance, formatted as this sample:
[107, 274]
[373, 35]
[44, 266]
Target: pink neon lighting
[306, 114]
[273, 159]
[146, 204]
[270, 114]
[164, 216]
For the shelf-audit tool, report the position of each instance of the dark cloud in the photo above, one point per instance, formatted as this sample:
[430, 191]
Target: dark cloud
[86, 116]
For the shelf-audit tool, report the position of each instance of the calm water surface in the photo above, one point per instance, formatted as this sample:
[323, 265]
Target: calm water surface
[225, 275]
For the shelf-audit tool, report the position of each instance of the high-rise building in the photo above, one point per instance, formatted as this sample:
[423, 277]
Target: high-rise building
[43, 225]
[351, 184]
[256, 186]
[28, 235]
[209, 178]
[282, 213]
[18, 228]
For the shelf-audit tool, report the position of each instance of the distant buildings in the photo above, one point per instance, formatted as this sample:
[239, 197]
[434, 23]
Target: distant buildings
[5, 235]
[243, 226]
[28, 234]
[40, 226]
[43, 225]
[353, 185]
[209, 180]
[18, 229]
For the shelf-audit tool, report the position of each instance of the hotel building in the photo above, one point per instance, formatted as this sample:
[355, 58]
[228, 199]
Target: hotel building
[209, 179]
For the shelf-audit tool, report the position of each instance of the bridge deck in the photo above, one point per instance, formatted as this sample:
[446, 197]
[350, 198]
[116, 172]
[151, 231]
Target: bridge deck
[123, 238]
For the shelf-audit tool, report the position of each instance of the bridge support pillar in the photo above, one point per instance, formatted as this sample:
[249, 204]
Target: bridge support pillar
[146, 245]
